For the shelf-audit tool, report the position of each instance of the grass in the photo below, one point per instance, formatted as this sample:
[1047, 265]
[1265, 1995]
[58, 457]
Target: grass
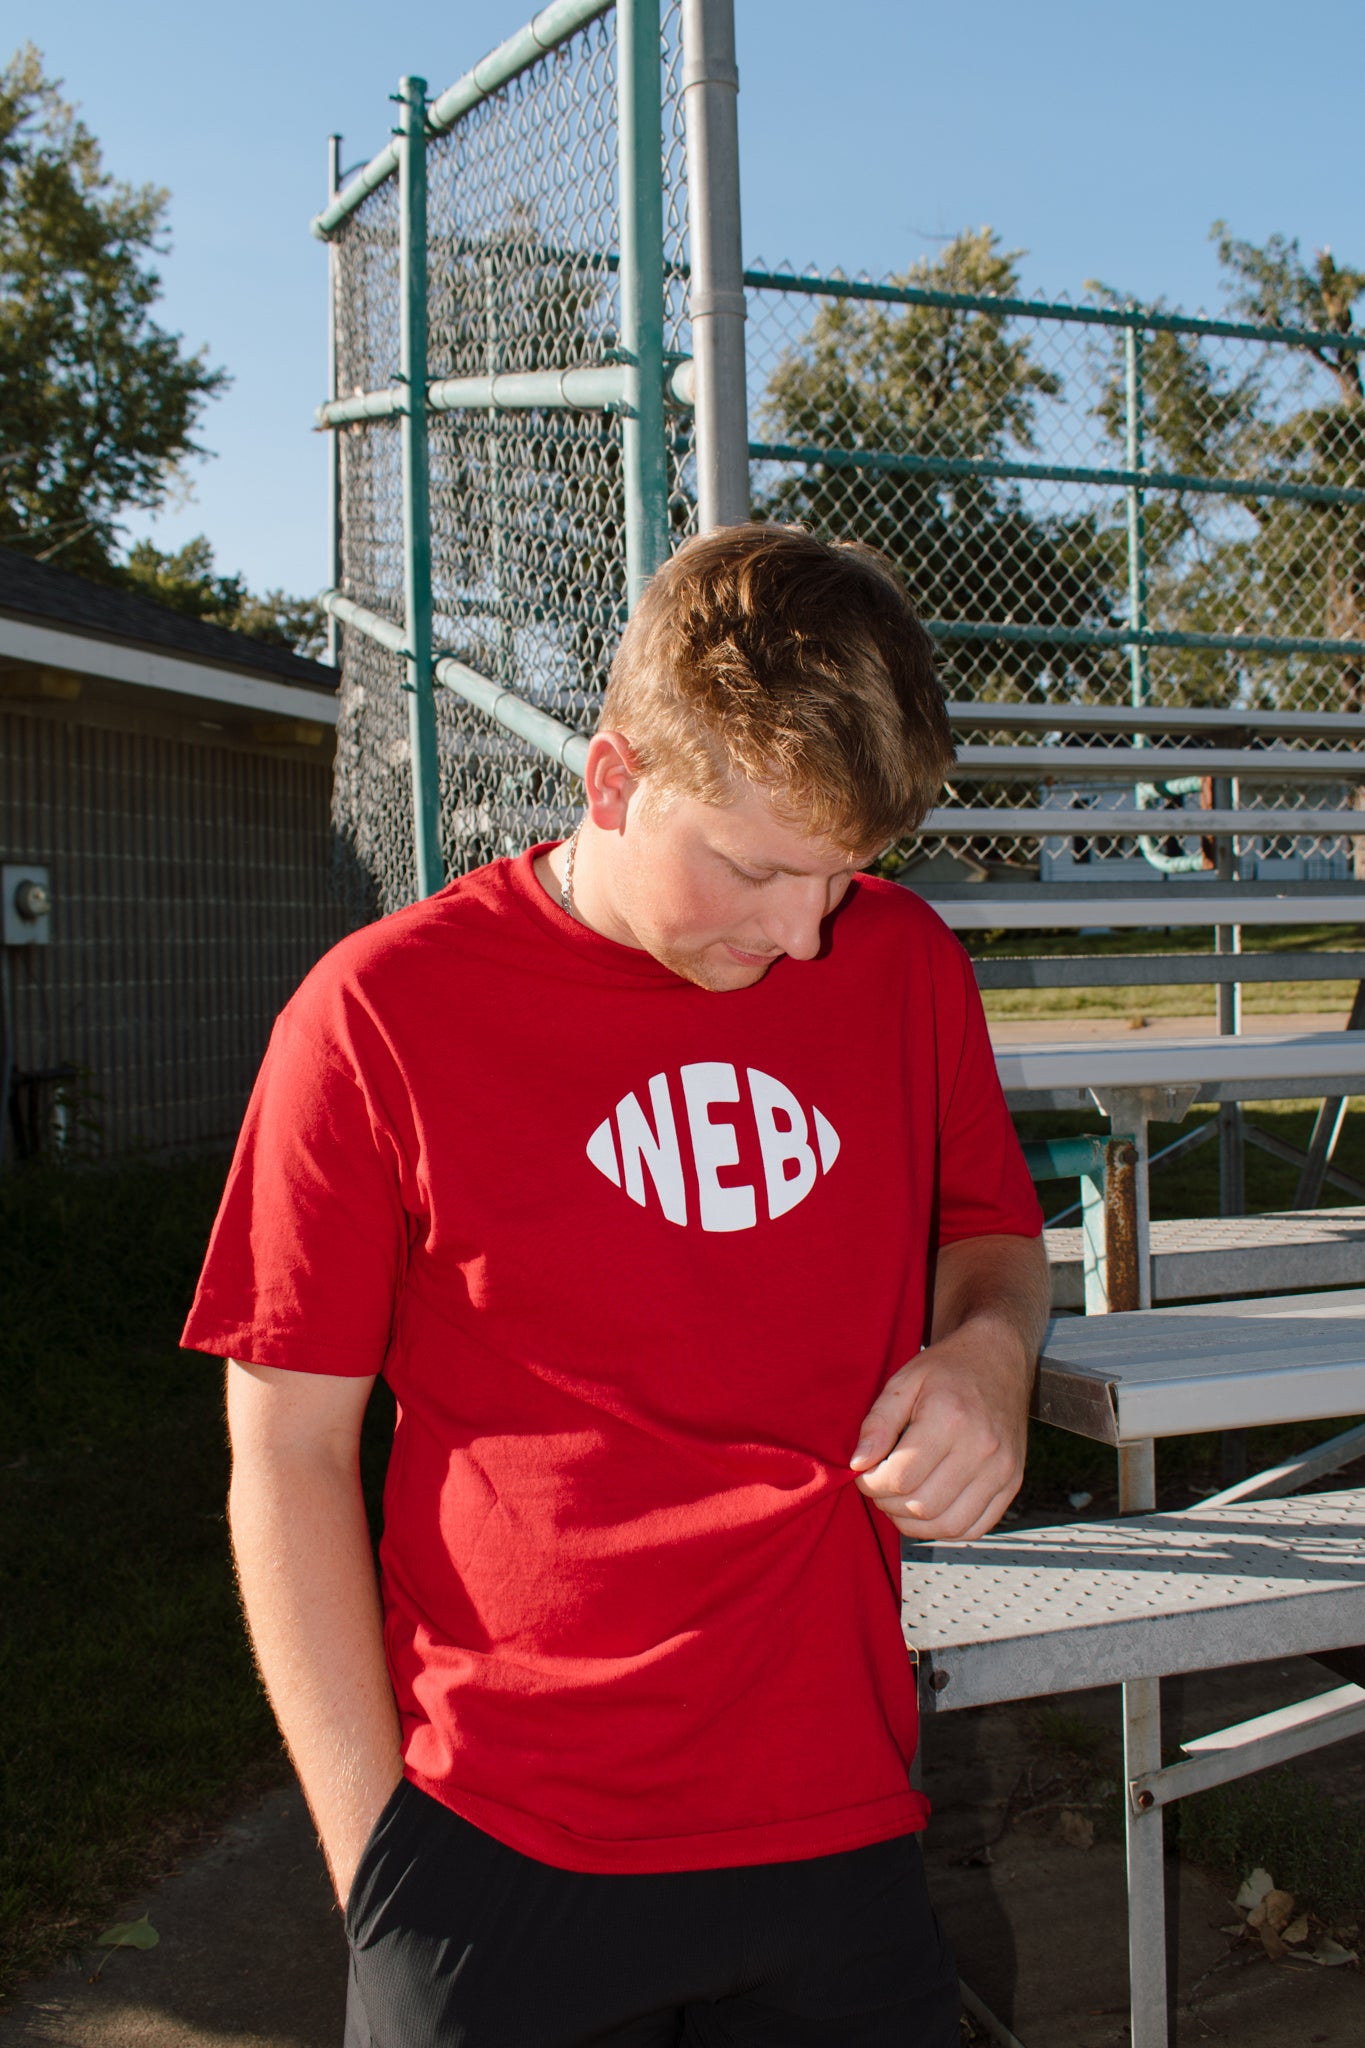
[1189, 1186]
[1289, 1826]
[1330, 999]
[131, 1717]
[1312, 1844]
[131, 1712]
[130, 1709]
[1067, 1732]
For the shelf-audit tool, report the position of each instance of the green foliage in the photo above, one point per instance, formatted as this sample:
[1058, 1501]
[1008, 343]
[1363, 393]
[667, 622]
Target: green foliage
[100, 404]
[131, 1716]
[1280, 567]
[1278, 288]
[187, 581]
[1283, 1823]
[1069, 1732]
[945, 382]
[957, 382]
[938, 380]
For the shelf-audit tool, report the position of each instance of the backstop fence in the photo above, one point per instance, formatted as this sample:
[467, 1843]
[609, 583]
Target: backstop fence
[549, 365]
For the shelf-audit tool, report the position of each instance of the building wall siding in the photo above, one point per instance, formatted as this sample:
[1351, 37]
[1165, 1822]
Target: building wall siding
[191, 895]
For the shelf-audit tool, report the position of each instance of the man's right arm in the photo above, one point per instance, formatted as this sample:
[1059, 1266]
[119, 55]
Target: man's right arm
[306, 1571]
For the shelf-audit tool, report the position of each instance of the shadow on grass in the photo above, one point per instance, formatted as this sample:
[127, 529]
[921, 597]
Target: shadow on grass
[131, 1717]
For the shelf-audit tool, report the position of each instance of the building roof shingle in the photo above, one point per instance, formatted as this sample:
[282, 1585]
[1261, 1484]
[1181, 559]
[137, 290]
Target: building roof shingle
[38, 590]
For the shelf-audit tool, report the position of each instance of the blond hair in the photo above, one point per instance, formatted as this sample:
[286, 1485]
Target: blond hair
[762, 654]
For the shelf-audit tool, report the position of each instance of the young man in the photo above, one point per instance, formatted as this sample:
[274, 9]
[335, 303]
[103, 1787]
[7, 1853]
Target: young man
[665, 1175]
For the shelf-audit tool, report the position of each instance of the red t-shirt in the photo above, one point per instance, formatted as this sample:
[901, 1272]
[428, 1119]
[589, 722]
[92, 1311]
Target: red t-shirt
[636, 1258]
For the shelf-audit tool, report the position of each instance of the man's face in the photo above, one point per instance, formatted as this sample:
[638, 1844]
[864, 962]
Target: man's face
[717, 893]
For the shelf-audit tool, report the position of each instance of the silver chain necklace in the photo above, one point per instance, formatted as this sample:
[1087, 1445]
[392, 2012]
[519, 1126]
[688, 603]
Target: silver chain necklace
[566, 890]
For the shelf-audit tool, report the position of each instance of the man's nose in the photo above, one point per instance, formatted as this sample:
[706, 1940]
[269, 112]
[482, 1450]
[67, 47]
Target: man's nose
[794, 921]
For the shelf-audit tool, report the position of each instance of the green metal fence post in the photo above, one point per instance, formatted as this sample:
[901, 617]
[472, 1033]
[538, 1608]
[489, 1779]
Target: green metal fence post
[1137, 521]
[640, 183]
[412, 203]
[333, 439]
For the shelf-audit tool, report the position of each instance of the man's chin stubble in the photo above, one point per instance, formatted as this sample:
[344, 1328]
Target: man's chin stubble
[695, 967]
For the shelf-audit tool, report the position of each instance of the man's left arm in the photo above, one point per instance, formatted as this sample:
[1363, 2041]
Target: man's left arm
[941, 1450]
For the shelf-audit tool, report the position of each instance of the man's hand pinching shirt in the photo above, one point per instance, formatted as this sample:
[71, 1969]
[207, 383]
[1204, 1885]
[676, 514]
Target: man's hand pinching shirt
[941, 1450]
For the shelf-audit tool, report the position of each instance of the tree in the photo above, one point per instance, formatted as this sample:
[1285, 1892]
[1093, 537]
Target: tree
[951, 383]
[187, 581]
[100, 404]
[1313, 554]
[1286, 413]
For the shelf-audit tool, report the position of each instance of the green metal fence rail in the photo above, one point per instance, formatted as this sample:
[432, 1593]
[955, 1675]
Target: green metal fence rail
[548, 364]
[999, 305]
[554, 25]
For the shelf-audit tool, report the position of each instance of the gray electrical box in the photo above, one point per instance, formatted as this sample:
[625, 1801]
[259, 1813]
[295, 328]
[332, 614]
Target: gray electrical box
[27, 896]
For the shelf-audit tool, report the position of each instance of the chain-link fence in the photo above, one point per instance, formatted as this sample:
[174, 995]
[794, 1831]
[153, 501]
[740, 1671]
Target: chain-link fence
[1092, 504]
[528, 500]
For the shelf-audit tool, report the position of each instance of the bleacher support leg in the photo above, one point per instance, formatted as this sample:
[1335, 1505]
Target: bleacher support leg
[1146, 1868]
[1109, 1229]
[1327, 1127]
[1227, 938]
[1144, 1830]
[1232, 1199]
[1131, 1109]
[1321, 1147]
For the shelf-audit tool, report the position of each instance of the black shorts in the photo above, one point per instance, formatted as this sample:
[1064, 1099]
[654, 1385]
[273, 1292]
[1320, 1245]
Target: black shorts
[459, 1942]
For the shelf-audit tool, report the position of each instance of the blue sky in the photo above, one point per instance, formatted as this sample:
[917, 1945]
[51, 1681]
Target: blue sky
[1102, 139]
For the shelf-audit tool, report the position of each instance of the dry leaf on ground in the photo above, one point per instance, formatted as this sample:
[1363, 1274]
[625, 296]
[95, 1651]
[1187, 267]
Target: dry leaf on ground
[1275, 1910]
[1254, 1889]
[129, 1934]
[1077, 1828]
[1330, 1953]
[125, 1934]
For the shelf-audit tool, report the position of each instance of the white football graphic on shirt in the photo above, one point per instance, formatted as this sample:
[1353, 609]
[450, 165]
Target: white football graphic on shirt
[636, 1141]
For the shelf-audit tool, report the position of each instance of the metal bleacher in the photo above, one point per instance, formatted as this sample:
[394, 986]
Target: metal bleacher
[1100, 879]
[1250, 1575]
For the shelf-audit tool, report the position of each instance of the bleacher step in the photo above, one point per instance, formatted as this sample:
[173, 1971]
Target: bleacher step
[1207, 1256]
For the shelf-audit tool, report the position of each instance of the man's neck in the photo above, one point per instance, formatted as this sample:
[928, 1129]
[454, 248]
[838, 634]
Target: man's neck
[587, 902]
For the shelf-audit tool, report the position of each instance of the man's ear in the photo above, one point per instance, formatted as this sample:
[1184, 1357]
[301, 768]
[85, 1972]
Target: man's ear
[610, 780]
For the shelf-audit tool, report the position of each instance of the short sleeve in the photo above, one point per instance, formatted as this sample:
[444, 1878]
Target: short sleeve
[309, 1246]
[984, 1188]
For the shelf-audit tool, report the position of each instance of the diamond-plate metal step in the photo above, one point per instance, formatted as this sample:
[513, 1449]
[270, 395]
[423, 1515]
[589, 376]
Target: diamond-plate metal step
[1096, 1603]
